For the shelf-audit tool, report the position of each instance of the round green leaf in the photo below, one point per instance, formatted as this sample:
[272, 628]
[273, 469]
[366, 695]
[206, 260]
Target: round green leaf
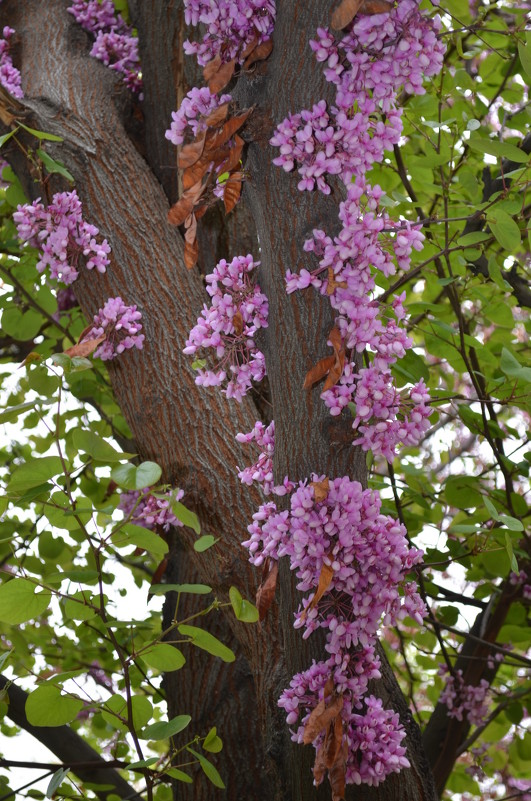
[164, 730]
[130, 477]
[32, 474]
[19, 601]
[164, 657]
[45, 706]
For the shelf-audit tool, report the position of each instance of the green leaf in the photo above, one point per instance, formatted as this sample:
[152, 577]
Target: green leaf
[41, 134]
[208, 769]
[142, 710]
[130, 477]
[7, 136]
[5, 656]
[524, 51]
[20, 325]
[244, 610]
[56, 781]
[33, 473]
[512, 523]
[462, 492]
[19, 601]
[54, 166]
[142, 763]
[180, 775]
[164, 657]
[129, 534]
[491, 509]
[97, 447]
[512, 367]
[204, 543]
[203, 639]
[45, 706]
[504, 229]
[501, 149]
[193, 589]
[510, 552]
[212, 742]
[164, 730]
[186, 517]
[473, 238]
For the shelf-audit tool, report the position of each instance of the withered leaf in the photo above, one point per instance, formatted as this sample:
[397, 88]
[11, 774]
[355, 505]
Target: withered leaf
[335, 338]
[216, 117]
[325, 577]
[235, 154]
[320, 489]
[180, 210]
[336, 774]
[195, 172]
[318, 371]
[237, 322]
[230, 127]
[319, 766]
[266, 591]
[332, 284]
[345, 13]
[191, 252]
[189, 154]
[376, 6]
[332, 742]
[249, 49]
[259, 53]
[220, 79]
[200, 211]
[85, 348]
[231, 195]
[320, 718]
[210, 69]
[336, 371]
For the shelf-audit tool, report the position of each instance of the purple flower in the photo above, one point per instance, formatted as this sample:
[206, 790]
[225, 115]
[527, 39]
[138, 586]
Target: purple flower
[120, 324]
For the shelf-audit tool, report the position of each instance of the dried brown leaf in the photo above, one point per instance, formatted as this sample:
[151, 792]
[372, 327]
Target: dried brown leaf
[200, 211]
[235, 154]
[180, 210]
[259, 53]
[210, 69]
[237, 322]
[266, 591]
[336, 774]
[376, 7]
[249, 49]
[345, 13]
[85, 348]
[231, 195]
[321, 717]
[189, 154]
[216, 117]
[221, 78]
[333, 741]
[191, 252]
[325, 578]
[336, 371]
[335, 338]
[320, 489]
[319, 766]
[194, 174]
[318, 371]
[191, 228]
[233, 124]
[332, 284]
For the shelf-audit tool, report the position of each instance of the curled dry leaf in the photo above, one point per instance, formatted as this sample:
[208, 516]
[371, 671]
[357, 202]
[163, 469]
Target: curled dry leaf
[266, 591]
[325, 578]
[235, 154]
[321, 717]
[345, 13]
[259, 53]
[232, 192]
[318, 371]
[210, 69]
[85, 348]
[319, 766]
[191, 252]
[216, 117]
[237, 322]
[332, 742]
[336, 371]
[332, 284]
[376, 6]
[336, 774]
[320, 489]
[181, 210]
[228, 130]
[189, 154]
[221, 78]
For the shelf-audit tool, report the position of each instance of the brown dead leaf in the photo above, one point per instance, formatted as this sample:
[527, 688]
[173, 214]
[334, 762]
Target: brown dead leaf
[235, 154]
[249, 49]
[233, 124]
[85, 348]
[335, 338]
[336, 371]
[336, 774]
[189, 154]
[332, 284]
[216, 117]
[266, 591]
[221, 78]
[318, 371]
[231, 195]
[333, 741]
[320, 489]
[321, 717]
[191, 252]
[259, 53]
[195, 172]
[200, 211]
[319, 766]
[210, 69]
[376, 7]
[345, 13]
[325, 578]
[237, 322]
[181, 210]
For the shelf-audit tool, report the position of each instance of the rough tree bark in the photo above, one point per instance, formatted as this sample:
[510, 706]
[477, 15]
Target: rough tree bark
[124, 176]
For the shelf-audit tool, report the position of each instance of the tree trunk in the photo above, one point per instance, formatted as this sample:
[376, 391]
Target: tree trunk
[124, 183]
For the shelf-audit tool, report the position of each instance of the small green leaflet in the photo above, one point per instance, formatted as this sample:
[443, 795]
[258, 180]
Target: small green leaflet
[186, 517]
[180, 775]
[129, 534]
[524, 51]
[203, 639]
[512, 367]
[496, 148]
[504, 228]
[96, 447]
[244, 610]
[56, 781]
[130, 477]
[510, 553]
[212, 742]
[193, 589]
[41, 134]
[208, 769]
[164, 730]
[204, 543]
[54, 166]
[32, 474]
[45, 706]
[163, 656]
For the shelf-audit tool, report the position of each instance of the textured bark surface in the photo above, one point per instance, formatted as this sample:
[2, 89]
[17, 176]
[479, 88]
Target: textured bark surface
[125, 184]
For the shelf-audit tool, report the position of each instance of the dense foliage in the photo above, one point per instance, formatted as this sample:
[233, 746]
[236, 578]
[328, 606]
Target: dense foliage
[427, 272]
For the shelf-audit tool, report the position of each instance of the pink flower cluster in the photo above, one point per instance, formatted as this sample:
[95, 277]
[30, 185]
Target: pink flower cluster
[261, 471]
[148, 511]
[192, 113]
[120, 325]
[62, 236]
[115, 44]
[464, 700]
[229, 326]
[9, 75]
[380, 55]
[231, 26]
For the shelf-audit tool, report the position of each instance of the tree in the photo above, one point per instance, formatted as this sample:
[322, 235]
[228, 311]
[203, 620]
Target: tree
[464, 293]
